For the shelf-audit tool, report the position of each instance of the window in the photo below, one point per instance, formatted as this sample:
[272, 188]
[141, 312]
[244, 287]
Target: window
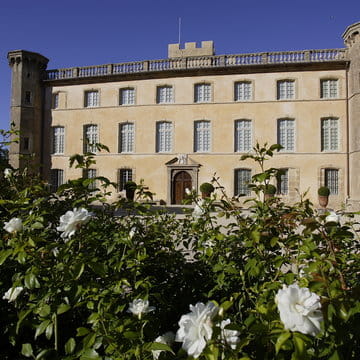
[329, 134]
[57, 178]
[91, 98]
[164, 136]
[243, 135]
[90, 138]
[286, 134]
[285, 89]
[329, 88]
[126, 141]
[124, 175]
[202, 93]
[332, 180]
[55, 101]
[202, 136]
[58, 140]
[27, 97]
[282, 185]
[164, 94]
[243, 91]
[25, 142]
[127, 96]
[90, 174]
[242, 180]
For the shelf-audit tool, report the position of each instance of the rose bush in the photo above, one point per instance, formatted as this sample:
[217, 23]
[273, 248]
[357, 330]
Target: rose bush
[274, 281]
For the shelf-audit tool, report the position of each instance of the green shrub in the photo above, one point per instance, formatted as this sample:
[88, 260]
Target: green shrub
[207, 188]
[270, 189]
[324, 191]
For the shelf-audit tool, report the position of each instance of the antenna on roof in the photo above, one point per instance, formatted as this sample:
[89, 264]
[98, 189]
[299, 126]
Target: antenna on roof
[179, 30]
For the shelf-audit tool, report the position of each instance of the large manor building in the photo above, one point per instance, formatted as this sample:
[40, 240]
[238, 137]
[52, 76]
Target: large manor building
[177, 121]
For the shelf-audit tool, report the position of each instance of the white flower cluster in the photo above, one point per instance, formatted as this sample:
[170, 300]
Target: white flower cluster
[299, 309]
[72, 221]
[139, 307]
[12, 294]
[8, 173]
[13, 225]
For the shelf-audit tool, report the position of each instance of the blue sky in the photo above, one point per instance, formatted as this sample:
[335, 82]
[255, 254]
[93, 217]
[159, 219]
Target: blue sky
[80, 33]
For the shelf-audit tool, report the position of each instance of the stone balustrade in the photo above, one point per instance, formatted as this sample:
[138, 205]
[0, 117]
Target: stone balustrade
[200, 62]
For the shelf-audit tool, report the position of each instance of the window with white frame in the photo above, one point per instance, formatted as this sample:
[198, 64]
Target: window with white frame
[332, 180]
[242, 181]
[126, 137]
[124, 175]
[164, 94]
[243, 91]
[330, 134]
[202, 93]
[329, 88]
[90, 138]
[202, 136]
[57, 178]
[127, 96]
[282, 184]
[286, 134]
[58, 140]
[91, 98]
[55, 101]
[164, 136]
[285, 89]
[243, 135]
[90, 174]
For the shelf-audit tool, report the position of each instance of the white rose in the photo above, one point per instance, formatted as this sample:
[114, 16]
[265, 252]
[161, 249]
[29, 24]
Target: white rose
[72, 220]
[14, 225]
[168, 339]
[139, 307]
[231, 337]
[187, 191]
[299, 309]
[7, 173]
[198, 210]
[196, 328]
[13, 293]
[332, 217]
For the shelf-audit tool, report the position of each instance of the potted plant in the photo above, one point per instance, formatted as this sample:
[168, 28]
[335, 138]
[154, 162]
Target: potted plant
[269, 191]
[323, 193]
[206, 189]
[130, 187]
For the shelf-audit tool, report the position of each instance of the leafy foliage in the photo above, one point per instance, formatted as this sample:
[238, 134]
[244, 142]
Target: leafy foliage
[76, 293]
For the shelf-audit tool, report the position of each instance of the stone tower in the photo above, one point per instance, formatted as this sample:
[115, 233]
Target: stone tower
[352, 41]
[26, 106]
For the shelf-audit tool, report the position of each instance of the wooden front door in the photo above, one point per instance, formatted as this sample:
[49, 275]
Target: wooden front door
[182, 180]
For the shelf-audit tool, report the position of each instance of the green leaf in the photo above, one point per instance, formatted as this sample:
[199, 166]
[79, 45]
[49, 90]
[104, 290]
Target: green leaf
[90, 354]
[78, 270]
[31, 282]
[41, 328]
[44, 310]
[37, 225]
[335, 356]
[27, 350]
[159, 346]
[81, 331]
[4, 255]
[281, 340]
[299, 345]
[70, 346]
[62, 308]
[49, 331]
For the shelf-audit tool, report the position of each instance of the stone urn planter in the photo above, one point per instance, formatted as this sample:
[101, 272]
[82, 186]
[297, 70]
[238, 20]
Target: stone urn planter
[206, 190]
[130, 188]
[323, 195]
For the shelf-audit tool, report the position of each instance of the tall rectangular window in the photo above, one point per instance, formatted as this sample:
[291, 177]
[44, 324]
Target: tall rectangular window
[243, 91]
[90, 174]
[243, 135]
[332, 180]
[124, 175]
[127, 96]
[202, 136]
[57, 178]
[58, 139]
[285, 89]
[90, 138]
[329, 134]
[164, 136]
[242, 181]
[282, 185]
[202, 93]
[127, 135]
[164, 94]
[329, 88]
[286, 134]
[91, 98]
[55, 101]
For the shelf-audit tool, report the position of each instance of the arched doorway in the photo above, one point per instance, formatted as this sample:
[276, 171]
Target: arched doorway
[182, 180]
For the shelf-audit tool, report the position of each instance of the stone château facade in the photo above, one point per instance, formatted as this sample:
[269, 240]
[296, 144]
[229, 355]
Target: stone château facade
[177, 121]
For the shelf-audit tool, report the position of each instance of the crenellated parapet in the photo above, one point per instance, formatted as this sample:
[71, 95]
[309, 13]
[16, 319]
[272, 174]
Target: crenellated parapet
[191, 49]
